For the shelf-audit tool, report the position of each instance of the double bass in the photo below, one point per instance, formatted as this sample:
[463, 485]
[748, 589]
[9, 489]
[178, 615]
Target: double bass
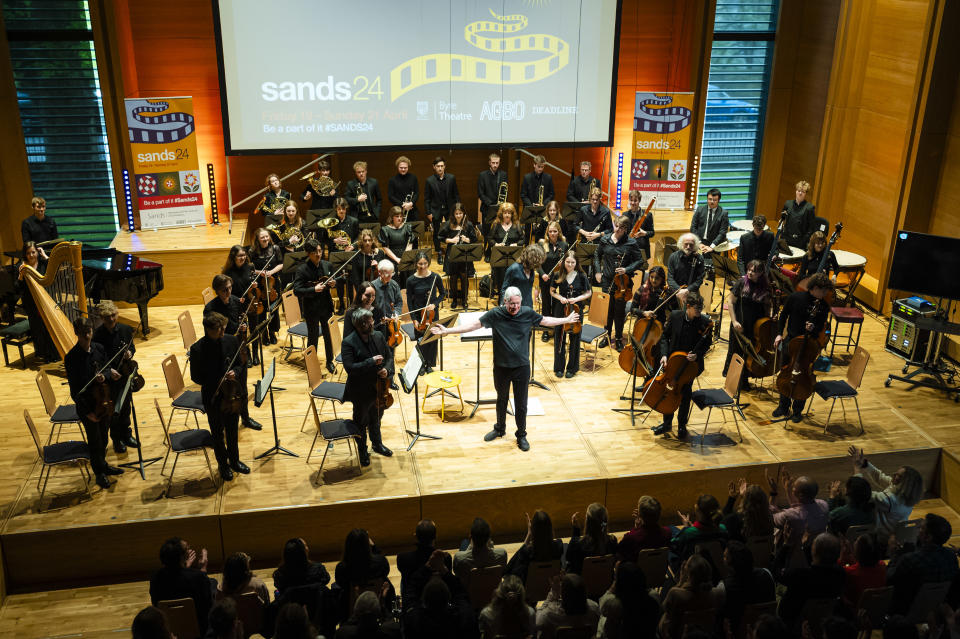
[796, 379]
[662, 392]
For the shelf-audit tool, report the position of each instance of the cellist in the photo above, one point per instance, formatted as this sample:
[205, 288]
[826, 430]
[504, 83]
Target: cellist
[803, 312]
[568, 286]
[688, 331]
[750, 300]
[617, 254]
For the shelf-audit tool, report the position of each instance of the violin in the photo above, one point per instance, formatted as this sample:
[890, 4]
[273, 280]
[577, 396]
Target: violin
[429, 314]
[103, 405]
[635, 231]
[573, 327]
[796, 379]
[372, 271]
[662, 391]
[384, 396]
[130, 367]
[393, 331]
[622, 286]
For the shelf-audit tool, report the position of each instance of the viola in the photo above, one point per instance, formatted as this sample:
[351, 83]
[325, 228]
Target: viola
[622, 286]
[662, 392]
[573, 327]
[130, 367]
[637, 226]
[384, 396]
[393, 331]
[796, 379]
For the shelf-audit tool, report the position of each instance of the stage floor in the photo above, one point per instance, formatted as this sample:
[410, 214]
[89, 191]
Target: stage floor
[581, 451]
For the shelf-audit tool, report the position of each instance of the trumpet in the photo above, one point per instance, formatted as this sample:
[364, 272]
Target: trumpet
[363, 205]
[540, 196]
[502, 195]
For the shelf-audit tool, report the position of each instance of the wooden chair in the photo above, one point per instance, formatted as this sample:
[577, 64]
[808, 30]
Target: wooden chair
[907, 531]
[874, 603]
[207, 294]
[928, 598]
[51, 455]
[844, 389]
[59, 414]
[482, 583]
[855, 532]
[188, 334]
[539, 574]
[761, 548]
[296, 328]
[181, 398]
[597, 575]
[751, 613]
[594, 328]
[714, 549]
[336, 340]
[186, 441]
[320, 389]
[654, 563]
[181, 617]
[250, 612]
[722, 398]
[814, 611]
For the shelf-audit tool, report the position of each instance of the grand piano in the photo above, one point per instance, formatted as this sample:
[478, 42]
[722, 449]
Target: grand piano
[109, 274]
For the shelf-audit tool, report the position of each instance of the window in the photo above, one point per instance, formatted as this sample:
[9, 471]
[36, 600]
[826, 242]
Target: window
[58, 92]
[743, 40]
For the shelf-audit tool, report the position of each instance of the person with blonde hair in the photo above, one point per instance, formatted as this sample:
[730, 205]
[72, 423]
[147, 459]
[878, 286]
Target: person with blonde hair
[898, 493]
[363, 195]
[403, 189]
[508, 614]
[801, 217]
[275, 191]
[114, 337]
[503, 232]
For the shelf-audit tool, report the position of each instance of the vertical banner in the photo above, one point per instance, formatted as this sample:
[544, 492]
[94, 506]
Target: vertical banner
[165, 164]
[661, 137]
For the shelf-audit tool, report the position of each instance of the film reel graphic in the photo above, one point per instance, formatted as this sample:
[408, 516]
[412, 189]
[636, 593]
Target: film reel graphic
[159, 129]
[446, 67]
[666, 119]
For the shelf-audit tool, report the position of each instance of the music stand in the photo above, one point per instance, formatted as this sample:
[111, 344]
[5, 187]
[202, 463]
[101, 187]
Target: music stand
[726, 269]
[571, 210]
[339, 258]
[584, 254]
[527, 217]
[373, 226]
[315, 215]
[141, 462]
[408, 261]
[418, 227]
[262, 388]
[632, 380]
[465, 253]
[292, 260]
[504, 256]
[409, 376]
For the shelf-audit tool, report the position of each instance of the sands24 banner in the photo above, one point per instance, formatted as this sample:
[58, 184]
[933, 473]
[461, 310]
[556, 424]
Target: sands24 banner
[661, 137]
[165, 164]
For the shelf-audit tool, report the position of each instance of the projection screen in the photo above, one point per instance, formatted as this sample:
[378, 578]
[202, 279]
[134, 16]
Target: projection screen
[301, 75]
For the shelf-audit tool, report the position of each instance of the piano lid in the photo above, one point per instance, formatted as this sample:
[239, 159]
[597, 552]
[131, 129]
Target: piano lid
[110, 259]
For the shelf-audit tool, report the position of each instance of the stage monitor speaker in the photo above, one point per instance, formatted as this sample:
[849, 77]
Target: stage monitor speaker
[904, 339]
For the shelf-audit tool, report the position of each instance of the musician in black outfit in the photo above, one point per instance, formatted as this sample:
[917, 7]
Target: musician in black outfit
[44, 347]
[240, 272]
[710, 222]
[569, 285]
[634, 213]
[274, 193]
[488, 192]
[530, 187]
[552, 214]
[389, 300]
[458, 230]
[396, 237]
[403, 190]
[800, 223]
[751, 299]
[366, 299]
[230, 306]
[363, 195]
[319, 200]
[82, 363]
[39, 227]
[341, 238]
[688, 331]
[312, 285]
[581, 185]
[440, 193]
[113, 336]
[366, 357]
[594, 220]
[268, 258]
[650, 295]
[804, 313]
[810, 263]
[504, 231]
[755, 245]
[425, 291]
[364, 267]
[213, 359]
[554, 247]
[685, 267]
[617, 254]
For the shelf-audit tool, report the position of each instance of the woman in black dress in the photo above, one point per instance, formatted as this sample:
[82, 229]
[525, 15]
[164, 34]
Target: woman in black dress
[458, 230]
[43, 345]
[550, 214]
[264, 254]
[554, 247]
[425, 291]
[750, 300]
[568, 286]
[503, 232]
[395, 238]
[363, 267]
[291, 234]
[366, 299]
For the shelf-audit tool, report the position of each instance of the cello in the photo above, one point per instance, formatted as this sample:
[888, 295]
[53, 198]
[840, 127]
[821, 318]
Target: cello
[796, 379]
[645, 335]
[662, 391]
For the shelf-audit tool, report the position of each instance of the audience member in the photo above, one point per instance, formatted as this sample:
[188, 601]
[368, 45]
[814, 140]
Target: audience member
[806, 512]
[595, 542]
[238, 579]
[823, 578]
[444, 609]
[627, 611]
[150, 623]
[705, 527]
[479, 553]
[837, 627]
[931, 562]
[647, 533]
[852, 506]
[751, 518]
[539, 545]
[178, 579]
[362, 566]
[297, 569]
[367, 622]
[694, 592]
[898, 494]
[768, 627]
[567, 605]
[224, 622]
[293, 623]
[868, 571]
[414, 572]
[743, 585]
[507, 613]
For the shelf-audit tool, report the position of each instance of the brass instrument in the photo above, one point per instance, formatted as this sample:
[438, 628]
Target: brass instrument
[321, 185]
[363, 205]
[502, 195]
[328, 222]
[341, 239]
[283, 235]
[277, 206]
[407, 200]
[540, 196]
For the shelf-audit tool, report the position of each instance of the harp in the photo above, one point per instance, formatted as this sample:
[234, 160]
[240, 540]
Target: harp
[59, 294]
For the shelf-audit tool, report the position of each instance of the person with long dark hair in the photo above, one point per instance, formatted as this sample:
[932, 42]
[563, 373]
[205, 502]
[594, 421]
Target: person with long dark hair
[567, 606]
[458, 230]
[365, 298]
[706, 526]
[238, 579]
[651, 294]
[744, 584]
[569, 286]
[42, 344]
[539, 545]
[595, 541]
[554, 247]
[296, 569]
[240, 272]
[627, 611]
[361, 564]
[750, 300]
[266, 256]
[425, 291]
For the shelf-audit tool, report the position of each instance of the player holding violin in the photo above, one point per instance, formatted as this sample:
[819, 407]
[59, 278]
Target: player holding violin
[687, 331]
[617, 254]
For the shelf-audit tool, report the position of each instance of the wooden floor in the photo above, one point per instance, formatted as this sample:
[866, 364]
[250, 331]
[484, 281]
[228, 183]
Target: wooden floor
[582, 451]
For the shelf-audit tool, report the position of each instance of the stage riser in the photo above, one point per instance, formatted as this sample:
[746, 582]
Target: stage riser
[68, 557]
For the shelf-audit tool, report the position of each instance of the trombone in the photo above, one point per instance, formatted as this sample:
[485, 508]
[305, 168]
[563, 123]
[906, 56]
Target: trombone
[502, 194]
[540, 196]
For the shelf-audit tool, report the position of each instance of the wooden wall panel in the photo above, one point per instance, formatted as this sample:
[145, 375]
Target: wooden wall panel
[15, 188]
[946, 210]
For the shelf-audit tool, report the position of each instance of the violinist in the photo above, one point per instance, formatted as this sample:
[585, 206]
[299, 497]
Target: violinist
[569, 285]
[554, 246]
[262, 253]
[83, 363]
[685, 267]
[363, 194]
[751, 299]
[551, 214]
[320, 200]
[646, 231]
[366, 299]
[363, 267]
[213, 359]
[801, 217]
[274, 192]
[112, 336]
[650, 294]
[523, 273]
[341, 238]
[403, 191]
[396, 237]
[687, 331]
[814, 255]
[458, 230]
[617, 254]
[804, 312]
[366, 357]
[755, 245]
[230, 306]
[594, 219]
[312, 285]
[240, 272]
[424, 292]
[503, 232]
[388, 300]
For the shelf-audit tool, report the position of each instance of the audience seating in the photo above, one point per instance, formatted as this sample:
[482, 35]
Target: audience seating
[482, 583]
[704, 619]
[854, 532]
[874, 603]
[907, 531]
[597, 575]
[762, 550]
[752, 612]
[928, 598]
[539, 574]
[181, 617]
[250, 612]
[815, 610]
[654, 563]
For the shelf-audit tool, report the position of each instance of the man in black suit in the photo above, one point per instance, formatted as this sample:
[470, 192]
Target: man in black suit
[440, 193]
[581, 185]
[488, 190]
[179, 579]
[414, 572]
[754, 245]
[213, 360]
[709, 222]
[685, 268]
[800, 214]
[366, 357]
[113, 336]
[39, 227]
[312, 285]
[363, 194]
[533, 181]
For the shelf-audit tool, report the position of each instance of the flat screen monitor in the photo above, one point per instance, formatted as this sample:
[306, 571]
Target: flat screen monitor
[926, 265]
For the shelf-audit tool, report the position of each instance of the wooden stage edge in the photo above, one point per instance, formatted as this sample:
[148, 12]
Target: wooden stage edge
[48, 559]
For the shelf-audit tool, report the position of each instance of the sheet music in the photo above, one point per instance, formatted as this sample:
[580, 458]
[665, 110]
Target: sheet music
[469, 318]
